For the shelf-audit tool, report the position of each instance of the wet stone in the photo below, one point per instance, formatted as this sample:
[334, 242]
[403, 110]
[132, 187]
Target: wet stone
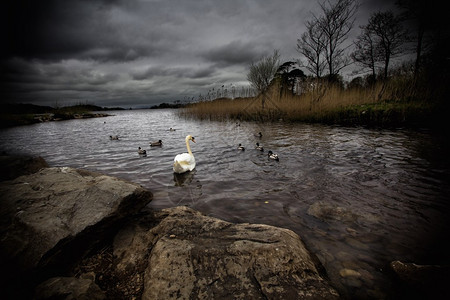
[349, 273]
[352, 281]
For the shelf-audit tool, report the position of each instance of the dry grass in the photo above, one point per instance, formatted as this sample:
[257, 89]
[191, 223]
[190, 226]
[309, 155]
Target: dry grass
[323, 102]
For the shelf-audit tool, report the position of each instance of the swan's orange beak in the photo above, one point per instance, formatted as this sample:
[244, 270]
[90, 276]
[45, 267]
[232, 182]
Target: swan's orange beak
[193, 139]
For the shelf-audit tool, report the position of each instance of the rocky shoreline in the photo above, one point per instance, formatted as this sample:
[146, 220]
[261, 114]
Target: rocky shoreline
[75, 234]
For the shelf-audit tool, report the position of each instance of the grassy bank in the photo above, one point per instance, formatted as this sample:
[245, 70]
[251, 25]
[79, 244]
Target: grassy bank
[26, 114]
[390, 104]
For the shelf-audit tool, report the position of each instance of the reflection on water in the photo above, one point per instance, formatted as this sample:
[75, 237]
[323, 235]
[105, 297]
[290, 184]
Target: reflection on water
[359, 198]
[183, 179]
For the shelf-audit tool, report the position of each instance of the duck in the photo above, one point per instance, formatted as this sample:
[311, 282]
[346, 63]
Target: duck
[272, 155]
[141, 151]
[113, 137]
[258, 147]
[259, 134]
[158, 143]
[171, 129]
[240, 147]
[186, 161]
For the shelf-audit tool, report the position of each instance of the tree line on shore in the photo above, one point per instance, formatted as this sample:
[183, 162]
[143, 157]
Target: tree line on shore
[415, 89]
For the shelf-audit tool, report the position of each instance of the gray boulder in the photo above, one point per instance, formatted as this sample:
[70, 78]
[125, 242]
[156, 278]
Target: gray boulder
[192, 256]
[50, 218]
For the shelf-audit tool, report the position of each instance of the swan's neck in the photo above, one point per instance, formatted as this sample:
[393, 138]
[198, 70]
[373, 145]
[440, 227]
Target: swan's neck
[188, 147]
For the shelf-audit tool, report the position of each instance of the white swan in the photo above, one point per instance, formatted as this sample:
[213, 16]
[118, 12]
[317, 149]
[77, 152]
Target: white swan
[184, 162]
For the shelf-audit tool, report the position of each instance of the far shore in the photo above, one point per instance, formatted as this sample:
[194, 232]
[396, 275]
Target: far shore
[27, 114]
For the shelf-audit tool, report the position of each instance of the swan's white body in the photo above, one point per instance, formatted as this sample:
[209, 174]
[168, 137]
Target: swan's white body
[184, 162]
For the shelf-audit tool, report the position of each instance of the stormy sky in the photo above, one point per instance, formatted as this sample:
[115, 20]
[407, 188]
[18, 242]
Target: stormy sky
[137, 53]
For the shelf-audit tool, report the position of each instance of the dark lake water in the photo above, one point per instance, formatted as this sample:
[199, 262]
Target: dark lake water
[359, 198]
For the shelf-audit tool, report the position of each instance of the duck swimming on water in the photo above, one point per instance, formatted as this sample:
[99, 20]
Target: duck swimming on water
[272, 155]
[141, 151]
[154, 144]
[258, 147]
[240, 147]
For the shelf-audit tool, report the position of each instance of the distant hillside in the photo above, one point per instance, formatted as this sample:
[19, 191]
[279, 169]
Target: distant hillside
[24, 114]
[12, 108]
[88, 107]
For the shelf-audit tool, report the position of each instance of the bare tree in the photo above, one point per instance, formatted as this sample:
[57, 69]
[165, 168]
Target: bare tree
[311, 45]
[390, 36]
[262, 73]
[365, 53]
[335, 24]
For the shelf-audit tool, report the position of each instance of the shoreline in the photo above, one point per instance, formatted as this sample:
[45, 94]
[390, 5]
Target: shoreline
[12, 120]
[27, 114]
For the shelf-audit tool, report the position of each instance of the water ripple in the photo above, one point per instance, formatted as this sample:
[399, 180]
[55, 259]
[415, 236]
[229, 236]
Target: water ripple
[359, 198]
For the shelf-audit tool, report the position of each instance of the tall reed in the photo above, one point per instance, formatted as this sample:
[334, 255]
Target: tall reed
[323, 102]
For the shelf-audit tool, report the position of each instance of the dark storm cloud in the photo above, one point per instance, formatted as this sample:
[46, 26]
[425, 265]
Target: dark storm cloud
[68, 72]
[51, 29]
[235, 52]
[100, 30]
[122, 30]
[141, 51]
[179, 72]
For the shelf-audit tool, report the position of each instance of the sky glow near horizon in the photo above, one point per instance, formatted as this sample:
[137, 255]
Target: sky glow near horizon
[138, 53]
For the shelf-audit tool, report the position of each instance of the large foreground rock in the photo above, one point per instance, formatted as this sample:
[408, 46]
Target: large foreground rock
[178, 253]
[50, 218]
[192, 256]
[73, 234]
